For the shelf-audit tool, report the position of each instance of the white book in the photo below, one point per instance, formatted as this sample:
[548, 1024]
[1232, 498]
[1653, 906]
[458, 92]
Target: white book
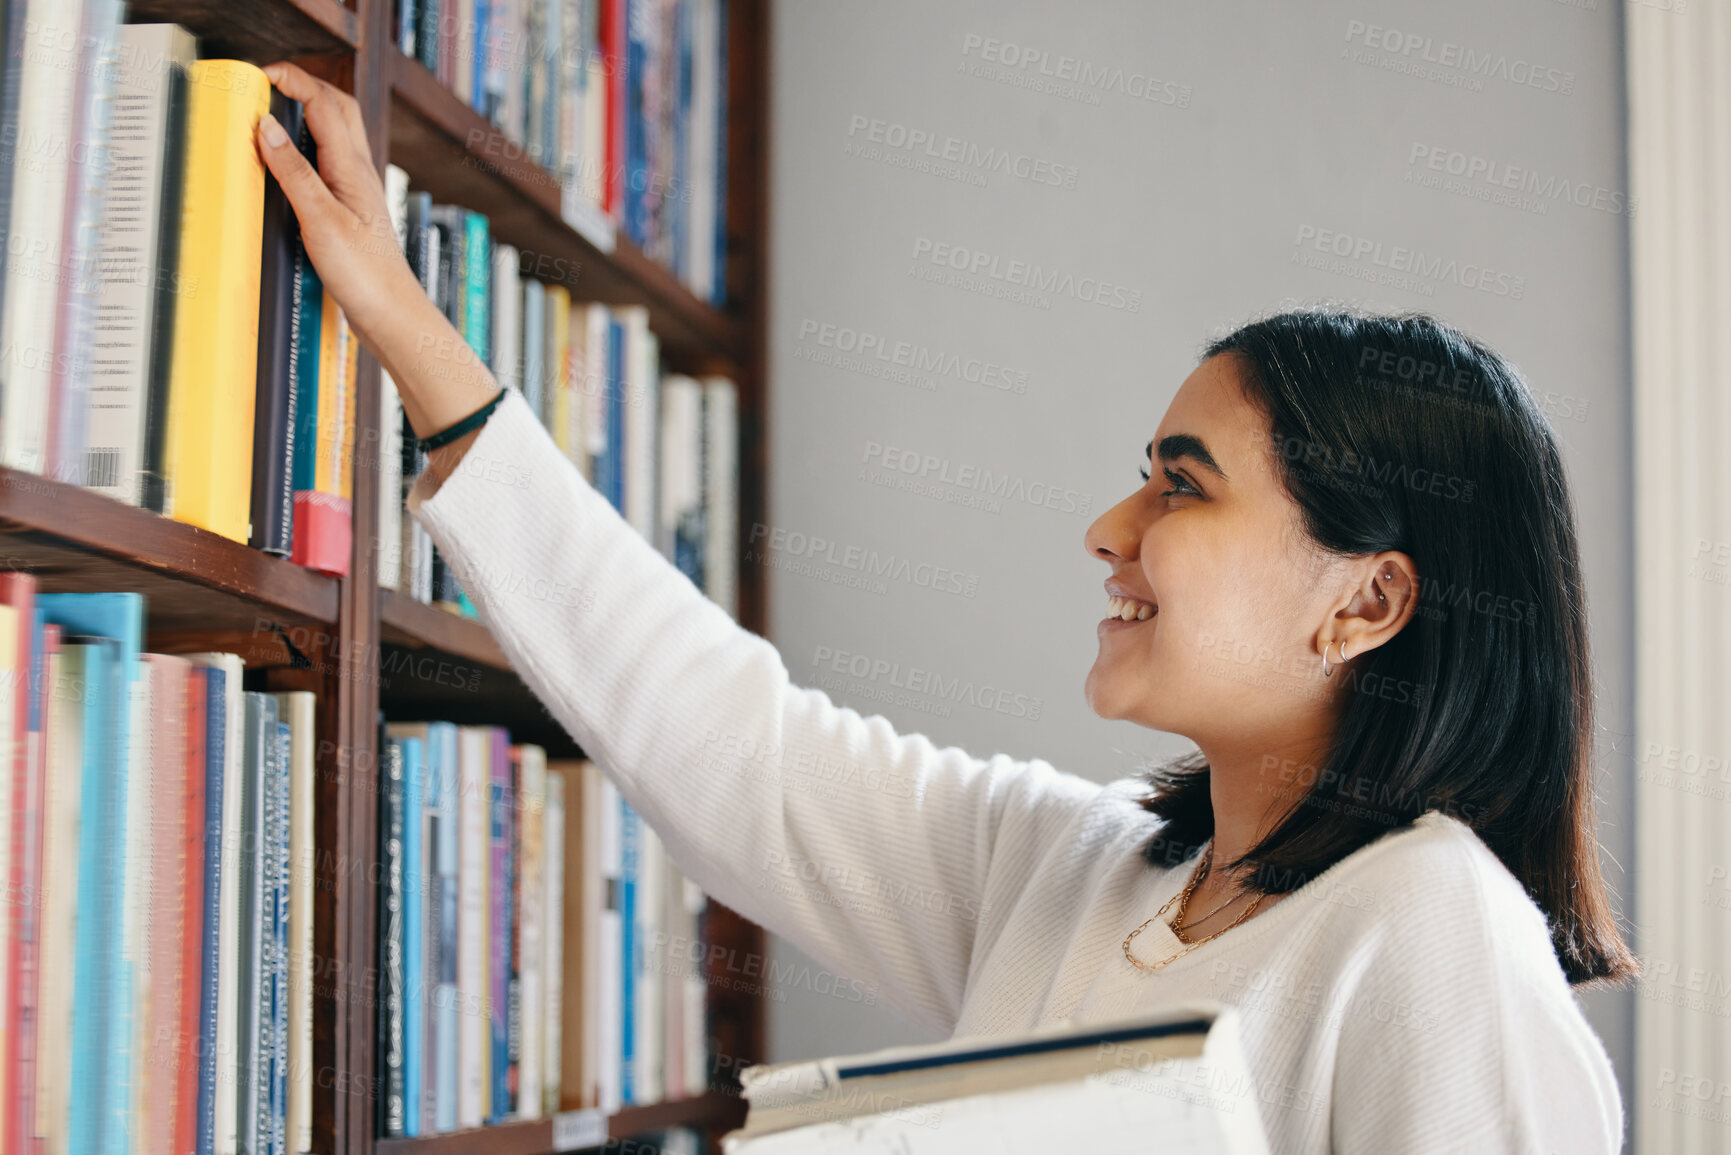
[228, 1053]
[591, 900]
[640, 418]
[696, 996]
[533, 352]
[556, 823]
[389, 455]
[298, 708]
[507, 336]
[608, 1081]
[68, 672]
[592, 165]
[597, 322]
[681, 497]
[721, 492]
[649, 986]
[41, 196]
[531, 915]
[130, 272]
[702, 141]
[1175, 1078]
[676, 956]
[474, 1045]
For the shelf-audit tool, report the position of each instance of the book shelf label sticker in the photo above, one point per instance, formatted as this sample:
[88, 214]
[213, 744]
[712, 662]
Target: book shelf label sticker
[577, 1129]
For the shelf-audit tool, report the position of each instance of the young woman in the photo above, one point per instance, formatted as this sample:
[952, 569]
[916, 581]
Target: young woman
[1350, 577]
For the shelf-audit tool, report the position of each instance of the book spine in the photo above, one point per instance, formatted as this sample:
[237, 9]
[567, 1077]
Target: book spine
[274, 419]
[215, 883]
[134, 212]
[189, 1059]
[718, 266]
[153, 470]
[450, 901]
[279, 1083]
[531, 908]
[392, 1101]
[215, 361]
[472, 926]
[630, 846]
[553, 938]
[427, 34]
[22, 817]
[499, 923]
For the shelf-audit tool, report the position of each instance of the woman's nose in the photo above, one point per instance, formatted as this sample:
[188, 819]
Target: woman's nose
[1117, 533]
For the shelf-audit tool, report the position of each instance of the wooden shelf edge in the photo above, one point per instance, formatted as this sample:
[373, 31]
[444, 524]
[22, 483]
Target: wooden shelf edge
[703, 336]
[407, 622]
[264, 31]
[535, 1136]
[84, 521]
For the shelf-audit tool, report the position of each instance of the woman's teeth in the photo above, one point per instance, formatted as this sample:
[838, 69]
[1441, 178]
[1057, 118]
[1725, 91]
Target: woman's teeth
[1129, 610]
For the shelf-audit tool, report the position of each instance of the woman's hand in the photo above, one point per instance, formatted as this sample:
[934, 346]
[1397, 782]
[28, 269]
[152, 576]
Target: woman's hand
[344, 219]
[346, 226]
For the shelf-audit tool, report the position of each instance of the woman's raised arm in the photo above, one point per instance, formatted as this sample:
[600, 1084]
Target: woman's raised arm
[875, 852]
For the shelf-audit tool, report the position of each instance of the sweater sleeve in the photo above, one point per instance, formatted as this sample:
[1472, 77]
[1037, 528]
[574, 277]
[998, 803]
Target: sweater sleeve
[1462, 1034]
[867, 848]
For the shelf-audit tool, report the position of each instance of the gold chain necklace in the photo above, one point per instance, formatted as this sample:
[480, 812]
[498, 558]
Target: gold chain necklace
[1183, 900]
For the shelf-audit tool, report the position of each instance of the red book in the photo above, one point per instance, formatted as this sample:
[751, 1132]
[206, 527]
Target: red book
[611, 32]
[192, 938]
[163, 946]
[22, 919]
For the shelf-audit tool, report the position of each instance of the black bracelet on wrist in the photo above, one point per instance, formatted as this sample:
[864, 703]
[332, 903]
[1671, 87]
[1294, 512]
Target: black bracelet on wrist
[472, 422]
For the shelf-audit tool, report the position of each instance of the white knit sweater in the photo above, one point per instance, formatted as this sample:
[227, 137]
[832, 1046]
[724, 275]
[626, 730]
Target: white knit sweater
[1406, 1001]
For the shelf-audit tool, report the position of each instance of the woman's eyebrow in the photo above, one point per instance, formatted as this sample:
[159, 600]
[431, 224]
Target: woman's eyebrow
[1186, 445]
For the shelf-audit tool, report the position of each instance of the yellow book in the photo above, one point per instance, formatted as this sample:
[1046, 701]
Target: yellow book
[326, 464]
[557, 369]
[351, 362]
[213, 375]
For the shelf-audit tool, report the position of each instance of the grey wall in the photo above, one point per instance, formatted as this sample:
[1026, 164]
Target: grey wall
[1269, 122]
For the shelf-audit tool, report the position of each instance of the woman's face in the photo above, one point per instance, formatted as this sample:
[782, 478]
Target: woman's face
[1213, 541]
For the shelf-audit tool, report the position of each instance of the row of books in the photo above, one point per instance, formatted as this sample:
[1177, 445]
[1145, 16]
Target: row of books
[624, 102]
[177, 351]
[156, 967]
[661, 446]
[493, 863]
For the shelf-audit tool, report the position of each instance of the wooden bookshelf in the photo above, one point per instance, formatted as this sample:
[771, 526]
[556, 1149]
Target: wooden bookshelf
[536, 1137]
[344, 638]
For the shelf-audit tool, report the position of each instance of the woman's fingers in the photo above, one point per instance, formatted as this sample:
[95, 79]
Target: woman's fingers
[303, 186]
[332, 115]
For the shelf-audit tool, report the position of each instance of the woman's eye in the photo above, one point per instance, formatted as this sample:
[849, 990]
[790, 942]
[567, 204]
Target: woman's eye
[1181, 486]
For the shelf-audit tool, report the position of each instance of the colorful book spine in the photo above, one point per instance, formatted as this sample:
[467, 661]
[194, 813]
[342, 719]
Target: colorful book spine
[189, 1032]
[415, 889]
[449, 855]
[21, 813]
[275, 420]
[392, 1106]
[219, 879]
[211, 392]
[499, 826]
[630, 857]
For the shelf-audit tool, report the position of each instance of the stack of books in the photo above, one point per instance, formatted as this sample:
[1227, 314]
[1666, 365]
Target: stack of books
[157, 974]
[659, 445]
[517, 979]
[178, 353]
[623, 102]
[1173, 1080]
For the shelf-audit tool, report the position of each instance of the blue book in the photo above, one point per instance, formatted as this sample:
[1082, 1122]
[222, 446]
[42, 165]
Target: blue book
[279, 1072]
[639, 30]
[102, 1021]
[257, 811]
[444, 774]
[427, 34]
[628, 853]
[616, 386]
[680, 190]
[478, 66]
[414, 958]
[407, 26]
[215, 751]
